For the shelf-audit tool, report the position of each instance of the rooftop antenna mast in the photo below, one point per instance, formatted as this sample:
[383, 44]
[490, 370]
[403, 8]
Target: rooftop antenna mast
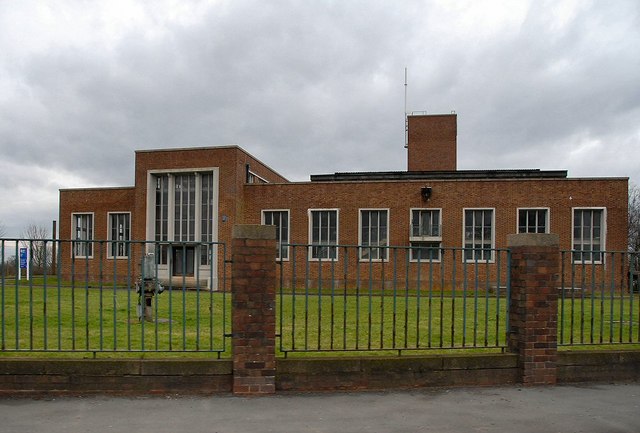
[406, 119]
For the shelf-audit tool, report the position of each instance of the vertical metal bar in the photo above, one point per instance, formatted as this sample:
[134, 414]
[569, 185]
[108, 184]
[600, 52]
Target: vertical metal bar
[357, 264]
[430, 302]
[395, 295]
[573, 299]
[155, 298]
[100, 290]
[475, 300]
[626, 258]
[592, 298]
[602, 305]
[197, 254]
[224, 296]
[442, 283]
[184, 296]
[319, 295]
[497, 314]
[44, 295]
[129, 282]
[169, 261]
[508, 297]
[333, 293]
[59, 290]
[17, 298]
[86, 296]
[611, 301]
[465, 287]
[212, 308]
[453, 297]
[487, 288]
[2, 301]
[294, 287]
[73, 294]
[306, 303]
[370, 303]
[406, 310]
[114, 300]
[345, 299]
[583, 287]
[280, 312]
[30, 284]
[621, 302]
[418, 290]
[563, 256]
[384, 254]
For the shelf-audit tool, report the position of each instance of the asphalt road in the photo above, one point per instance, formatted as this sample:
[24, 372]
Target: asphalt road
[597, 408]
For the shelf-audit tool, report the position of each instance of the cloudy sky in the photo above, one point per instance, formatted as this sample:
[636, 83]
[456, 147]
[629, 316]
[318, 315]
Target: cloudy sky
[309, 87]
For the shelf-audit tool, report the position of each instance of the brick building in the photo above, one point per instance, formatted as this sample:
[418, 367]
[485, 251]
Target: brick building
[184, 200]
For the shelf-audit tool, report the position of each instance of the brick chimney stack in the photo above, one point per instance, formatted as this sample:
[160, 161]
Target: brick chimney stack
[432, 142]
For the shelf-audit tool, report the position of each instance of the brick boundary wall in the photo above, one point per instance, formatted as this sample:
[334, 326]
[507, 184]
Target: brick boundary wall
[533, 315]
[254, 370]
[45, 377]
[253, 312]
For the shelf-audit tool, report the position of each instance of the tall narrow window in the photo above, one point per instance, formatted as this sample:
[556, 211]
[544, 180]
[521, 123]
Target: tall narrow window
[478, 234]
[119, 235]
[374, 234]
[184, 204]
[588, 235]
[280, 219]
[83, 234]
[426, 235]
[533, 220]
[324, 233]
[185, 208]
[162, 216]
[206, 217]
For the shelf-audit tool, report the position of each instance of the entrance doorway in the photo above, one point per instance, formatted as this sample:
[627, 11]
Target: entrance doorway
[183, 261]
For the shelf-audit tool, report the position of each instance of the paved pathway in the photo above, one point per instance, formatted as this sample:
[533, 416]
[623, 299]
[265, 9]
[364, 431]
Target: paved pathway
[583, 408]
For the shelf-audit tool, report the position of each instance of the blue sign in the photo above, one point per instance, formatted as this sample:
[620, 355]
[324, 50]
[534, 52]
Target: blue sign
[23, 258]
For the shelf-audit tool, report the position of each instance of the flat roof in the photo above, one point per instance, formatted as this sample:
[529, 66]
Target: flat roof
[436, 175]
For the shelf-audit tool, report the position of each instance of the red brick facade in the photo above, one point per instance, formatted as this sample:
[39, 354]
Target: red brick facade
[431, 143]
[432, 146]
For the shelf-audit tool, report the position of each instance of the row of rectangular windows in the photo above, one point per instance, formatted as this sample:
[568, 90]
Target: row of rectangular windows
[425, 237]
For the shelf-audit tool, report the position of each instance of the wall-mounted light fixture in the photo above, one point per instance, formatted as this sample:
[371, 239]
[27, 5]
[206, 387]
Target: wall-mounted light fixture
[426, 192]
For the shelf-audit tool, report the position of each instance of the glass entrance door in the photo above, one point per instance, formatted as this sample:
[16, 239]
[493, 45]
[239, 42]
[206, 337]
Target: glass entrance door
[183, 261]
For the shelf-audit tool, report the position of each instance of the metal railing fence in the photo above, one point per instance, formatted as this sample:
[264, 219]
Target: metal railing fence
[105, 300]
[599, 298]
[402, 301]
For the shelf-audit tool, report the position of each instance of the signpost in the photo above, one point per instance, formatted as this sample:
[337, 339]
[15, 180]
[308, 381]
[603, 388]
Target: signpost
[24, 262]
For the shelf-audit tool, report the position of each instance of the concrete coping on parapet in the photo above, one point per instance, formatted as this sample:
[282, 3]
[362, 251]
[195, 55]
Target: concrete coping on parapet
[253, 231]
[533, 240]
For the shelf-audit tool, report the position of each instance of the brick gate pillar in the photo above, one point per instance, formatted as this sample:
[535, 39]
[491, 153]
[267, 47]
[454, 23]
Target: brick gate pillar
[533, 315]
[253, 287]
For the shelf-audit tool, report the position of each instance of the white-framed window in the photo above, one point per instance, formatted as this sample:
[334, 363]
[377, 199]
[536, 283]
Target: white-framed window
[184, 204]
[425, 238]
[82, 229]
[589, 233]
[533, 220]
[374, 234]
[119, 235]
[479, 234]
[323, 233]
[280, 219]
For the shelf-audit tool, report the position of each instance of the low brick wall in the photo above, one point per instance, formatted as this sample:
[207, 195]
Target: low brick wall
[171, 376]
[598, 366]
[135, 377]
[330, 374]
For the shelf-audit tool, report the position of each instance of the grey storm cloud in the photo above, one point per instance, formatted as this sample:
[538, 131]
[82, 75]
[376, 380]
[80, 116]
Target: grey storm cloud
[309, 87]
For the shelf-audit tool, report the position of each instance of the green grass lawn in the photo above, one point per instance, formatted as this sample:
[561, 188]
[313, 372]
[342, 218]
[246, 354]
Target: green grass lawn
[102, 321]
